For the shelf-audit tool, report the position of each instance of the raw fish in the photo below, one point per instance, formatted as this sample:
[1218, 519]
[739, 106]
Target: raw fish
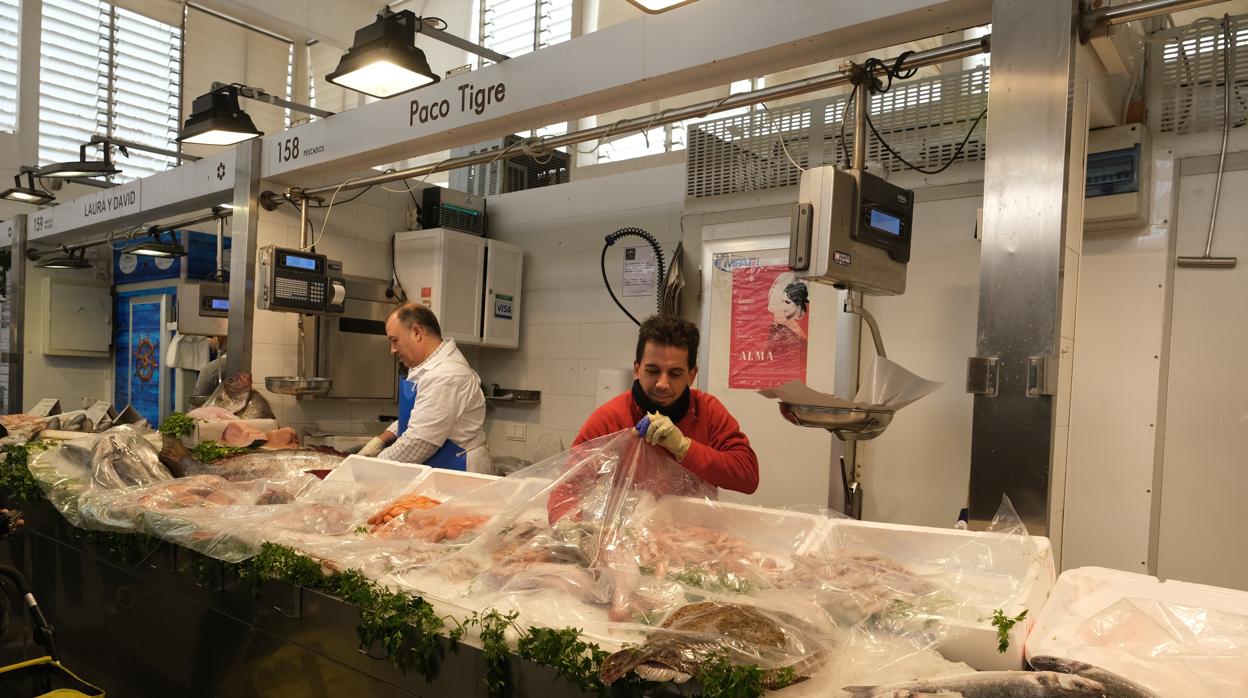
[253, 465]
[239, 435]
[1116, 686]
[211, 414]
[122, 458]
[990, 684]
[696, 632]
[281, 438]
[236, 396]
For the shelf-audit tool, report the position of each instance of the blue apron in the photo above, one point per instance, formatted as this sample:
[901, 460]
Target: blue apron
[450, 456]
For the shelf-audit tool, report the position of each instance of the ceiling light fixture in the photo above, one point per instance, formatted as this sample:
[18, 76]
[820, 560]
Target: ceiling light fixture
[654, 7]
[27, 194]
[384, 61]
[216, 119]
[153, 247]
[69, 258]
[82, 168]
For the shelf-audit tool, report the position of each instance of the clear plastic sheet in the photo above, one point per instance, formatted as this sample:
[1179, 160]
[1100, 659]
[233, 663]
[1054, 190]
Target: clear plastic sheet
[1174, 638]
[619, 540]
[1179, 650]
[613, 537]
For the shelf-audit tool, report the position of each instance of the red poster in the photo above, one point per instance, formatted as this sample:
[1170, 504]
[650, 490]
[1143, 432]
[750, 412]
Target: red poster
[770, 319]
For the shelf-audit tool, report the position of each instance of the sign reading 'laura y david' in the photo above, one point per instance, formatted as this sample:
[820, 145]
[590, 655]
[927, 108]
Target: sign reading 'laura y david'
[117, 201]
[104, 205]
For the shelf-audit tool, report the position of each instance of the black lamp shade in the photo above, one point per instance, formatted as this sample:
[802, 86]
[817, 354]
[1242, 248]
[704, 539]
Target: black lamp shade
[26, 194]
[216, 119]
[384, 60]
[78, 170]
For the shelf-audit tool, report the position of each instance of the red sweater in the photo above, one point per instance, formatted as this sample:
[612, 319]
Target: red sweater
[719, 453]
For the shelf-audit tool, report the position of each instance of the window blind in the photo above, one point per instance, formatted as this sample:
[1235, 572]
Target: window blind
[112, 72]
[72, 76]
[147, 68]
[9, 48]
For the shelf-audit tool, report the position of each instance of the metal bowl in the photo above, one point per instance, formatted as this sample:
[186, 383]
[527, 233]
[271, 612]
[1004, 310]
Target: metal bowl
[293, 385]
[847, 423]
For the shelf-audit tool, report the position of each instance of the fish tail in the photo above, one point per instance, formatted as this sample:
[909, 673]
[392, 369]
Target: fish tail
[617, 665]
[176, 457]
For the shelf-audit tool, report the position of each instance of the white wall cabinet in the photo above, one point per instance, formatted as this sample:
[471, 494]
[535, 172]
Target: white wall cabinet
[472, 284]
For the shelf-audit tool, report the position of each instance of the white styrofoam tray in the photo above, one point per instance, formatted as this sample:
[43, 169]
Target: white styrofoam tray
[1176, 638]
[1018, 575]
[211, 431]
[357, 468]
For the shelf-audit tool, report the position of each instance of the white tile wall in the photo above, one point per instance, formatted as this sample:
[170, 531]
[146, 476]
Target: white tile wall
[358, 234]
[570, 328]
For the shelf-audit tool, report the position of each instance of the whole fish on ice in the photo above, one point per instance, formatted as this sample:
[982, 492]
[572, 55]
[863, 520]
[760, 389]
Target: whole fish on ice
[990, 684]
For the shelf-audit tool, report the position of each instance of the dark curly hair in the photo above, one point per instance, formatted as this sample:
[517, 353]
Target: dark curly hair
[669, 331]
[799, 294]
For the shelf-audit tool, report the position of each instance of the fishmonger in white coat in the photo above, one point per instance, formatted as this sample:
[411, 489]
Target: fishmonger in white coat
[441, 405]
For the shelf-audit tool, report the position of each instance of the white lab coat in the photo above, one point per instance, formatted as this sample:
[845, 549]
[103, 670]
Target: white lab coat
[449, 405]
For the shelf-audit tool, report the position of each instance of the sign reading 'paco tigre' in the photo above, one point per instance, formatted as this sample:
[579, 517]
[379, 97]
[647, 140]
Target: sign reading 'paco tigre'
[471, 99]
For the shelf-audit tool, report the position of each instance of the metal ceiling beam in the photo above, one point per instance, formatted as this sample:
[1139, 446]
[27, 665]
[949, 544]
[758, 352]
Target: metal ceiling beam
[919, 59]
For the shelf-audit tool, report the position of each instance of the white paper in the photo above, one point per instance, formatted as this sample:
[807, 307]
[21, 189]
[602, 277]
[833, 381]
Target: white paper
[638, 272]
[886, 385]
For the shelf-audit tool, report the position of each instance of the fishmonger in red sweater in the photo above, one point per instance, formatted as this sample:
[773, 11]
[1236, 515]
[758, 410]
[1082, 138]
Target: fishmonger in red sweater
[693, 426]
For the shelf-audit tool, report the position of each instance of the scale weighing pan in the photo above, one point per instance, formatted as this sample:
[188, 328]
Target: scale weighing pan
[848, 423]
[293, 385]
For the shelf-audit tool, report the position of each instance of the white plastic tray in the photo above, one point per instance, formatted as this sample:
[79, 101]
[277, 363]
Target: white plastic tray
[1175, 638]
[1023, 574]
[772, 532]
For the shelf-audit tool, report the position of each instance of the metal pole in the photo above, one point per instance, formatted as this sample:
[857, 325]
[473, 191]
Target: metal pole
[862, 101]
[34, 255]
[17, 313]
[464, 44]
[131, 145]
[243, 255]
[1140, 10]
[920, 59]
[1025, 227]
[220, 250]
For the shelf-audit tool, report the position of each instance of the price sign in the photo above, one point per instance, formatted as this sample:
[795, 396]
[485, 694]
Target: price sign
[46, 408]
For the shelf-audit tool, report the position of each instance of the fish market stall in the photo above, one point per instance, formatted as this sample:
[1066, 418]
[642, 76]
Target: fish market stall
[608, 564]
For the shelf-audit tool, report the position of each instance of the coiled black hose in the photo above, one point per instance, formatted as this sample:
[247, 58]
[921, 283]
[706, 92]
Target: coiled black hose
[660, 276]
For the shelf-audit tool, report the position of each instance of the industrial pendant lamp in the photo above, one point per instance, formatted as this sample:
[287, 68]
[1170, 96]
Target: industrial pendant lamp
[66, 260]
[216, 119]
[656, 6]
[27, 194]
[82, 168]
[384, 60]
[153, 247]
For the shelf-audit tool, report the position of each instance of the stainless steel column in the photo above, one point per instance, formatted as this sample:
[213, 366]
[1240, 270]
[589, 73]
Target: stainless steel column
[1025, 218]
[243, 225]
[16, 358]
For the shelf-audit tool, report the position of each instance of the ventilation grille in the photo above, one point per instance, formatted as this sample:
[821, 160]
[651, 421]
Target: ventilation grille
[924, 121]
[513, 174]
[1187, 86]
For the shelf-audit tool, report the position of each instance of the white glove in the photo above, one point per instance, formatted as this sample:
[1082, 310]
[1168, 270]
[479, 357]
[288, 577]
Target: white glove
[663, 432]
[374, 446]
